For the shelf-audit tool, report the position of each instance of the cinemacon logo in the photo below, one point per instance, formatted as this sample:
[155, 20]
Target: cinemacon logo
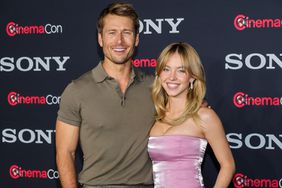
[241, 180]
[36, 64]
[13, 29]
[147, 27]
[19, 172]
[242, 22]
[15, 98]
[144, 62]
[241, 99]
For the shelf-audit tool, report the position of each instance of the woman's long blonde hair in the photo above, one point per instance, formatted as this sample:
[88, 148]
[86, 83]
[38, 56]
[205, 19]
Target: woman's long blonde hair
[192, 64]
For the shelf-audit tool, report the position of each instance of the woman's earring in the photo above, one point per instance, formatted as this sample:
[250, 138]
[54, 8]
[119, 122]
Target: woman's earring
[191, 85]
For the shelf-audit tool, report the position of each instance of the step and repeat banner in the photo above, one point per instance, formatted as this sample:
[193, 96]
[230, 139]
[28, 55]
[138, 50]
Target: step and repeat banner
[46, 44]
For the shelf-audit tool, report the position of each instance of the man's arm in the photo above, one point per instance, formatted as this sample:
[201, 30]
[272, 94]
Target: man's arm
[66, 142]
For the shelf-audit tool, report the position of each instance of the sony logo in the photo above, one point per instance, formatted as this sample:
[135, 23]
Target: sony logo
[148, 26]
[253, 61]
[25, 64]
[28, 136]
[255, 141]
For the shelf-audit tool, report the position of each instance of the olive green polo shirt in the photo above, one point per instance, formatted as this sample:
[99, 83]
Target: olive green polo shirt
[114, 127]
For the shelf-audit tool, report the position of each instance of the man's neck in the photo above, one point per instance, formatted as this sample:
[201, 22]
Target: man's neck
[120, 72]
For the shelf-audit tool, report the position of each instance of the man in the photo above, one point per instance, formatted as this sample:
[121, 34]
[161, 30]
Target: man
[109, 111]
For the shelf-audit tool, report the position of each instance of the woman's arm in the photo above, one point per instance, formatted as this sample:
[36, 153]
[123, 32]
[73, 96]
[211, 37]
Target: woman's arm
[215, 135]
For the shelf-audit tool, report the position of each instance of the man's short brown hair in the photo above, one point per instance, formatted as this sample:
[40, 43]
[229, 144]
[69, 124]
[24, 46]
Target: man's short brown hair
[119, 9]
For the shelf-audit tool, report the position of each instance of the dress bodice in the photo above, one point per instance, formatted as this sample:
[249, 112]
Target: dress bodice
[177, 160]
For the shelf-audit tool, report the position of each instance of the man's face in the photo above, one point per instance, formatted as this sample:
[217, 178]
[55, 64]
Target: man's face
[118, 39]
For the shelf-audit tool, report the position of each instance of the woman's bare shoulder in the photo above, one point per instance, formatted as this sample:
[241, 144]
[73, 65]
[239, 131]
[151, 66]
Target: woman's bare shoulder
[208, 117]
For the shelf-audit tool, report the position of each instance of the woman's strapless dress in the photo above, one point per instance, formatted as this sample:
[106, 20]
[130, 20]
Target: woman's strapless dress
[177, 160]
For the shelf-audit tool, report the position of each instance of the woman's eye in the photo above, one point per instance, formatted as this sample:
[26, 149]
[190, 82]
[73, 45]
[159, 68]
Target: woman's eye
[165, 69]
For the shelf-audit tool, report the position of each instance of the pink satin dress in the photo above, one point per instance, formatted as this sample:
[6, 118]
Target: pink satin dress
[177, 161]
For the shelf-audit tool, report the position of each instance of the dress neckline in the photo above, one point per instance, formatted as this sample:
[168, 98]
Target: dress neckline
[177, 135]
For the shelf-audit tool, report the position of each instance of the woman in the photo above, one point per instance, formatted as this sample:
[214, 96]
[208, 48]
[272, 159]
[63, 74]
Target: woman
[183, 125]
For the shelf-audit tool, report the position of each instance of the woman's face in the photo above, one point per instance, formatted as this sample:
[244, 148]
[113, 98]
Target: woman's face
[174, 78]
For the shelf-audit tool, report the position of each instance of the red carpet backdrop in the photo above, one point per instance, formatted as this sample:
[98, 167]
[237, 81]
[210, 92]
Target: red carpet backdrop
[46, 44]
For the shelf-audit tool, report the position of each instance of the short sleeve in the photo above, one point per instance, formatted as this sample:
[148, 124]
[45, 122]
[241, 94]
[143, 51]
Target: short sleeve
[69, 109]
